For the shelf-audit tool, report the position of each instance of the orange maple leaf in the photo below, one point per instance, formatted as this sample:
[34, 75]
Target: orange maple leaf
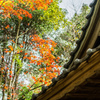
[21, 46]
[11, 47]
[34, 78]
[26, 53]
[7, 26]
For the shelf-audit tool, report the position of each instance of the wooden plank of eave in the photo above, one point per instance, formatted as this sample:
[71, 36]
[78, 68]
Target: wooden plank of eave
[82, 77]
[95, 81]
[94, 36]
[99, 32]
[87, 88]
[72, 76]
[85, 96]
[99, 20]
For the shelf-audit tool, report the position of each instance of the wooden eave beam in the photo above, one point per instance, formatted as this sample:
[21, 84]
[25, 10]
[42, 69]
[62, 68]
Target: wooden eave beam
[79, 95]
[87, 88]
[93, 81]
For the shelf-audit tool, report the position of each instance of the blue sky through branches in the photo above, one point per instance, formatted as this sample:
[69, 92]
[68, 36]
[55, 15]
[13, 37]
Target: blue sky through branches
[73, 5]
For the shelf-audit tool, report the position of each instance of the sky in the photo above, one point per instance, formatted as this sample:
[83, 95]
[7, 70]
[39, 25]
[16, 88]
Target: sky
[71, 4]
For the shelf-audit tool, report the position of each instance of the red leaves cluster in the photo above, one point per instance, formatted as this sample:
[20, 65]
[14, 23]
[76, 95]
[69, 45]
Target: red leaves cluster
[45, 48]
[22, 8]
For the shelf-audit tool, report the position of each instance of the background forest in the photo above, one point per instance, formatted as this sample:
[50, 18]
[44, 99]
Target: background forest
[35, 41]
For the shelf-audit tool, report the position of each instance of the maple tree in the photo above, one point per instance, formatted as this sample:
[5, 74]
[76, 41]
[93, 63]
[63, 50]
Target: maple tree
[23, 49]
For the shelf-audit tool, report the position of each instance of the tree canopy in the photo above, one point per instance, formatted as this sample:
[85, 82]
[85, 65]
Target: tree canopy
[27, 59]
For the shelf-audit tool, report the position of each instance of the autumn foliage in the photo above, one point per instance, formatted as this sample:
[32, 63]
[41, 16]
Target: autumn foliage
[21, 8]
[23, 51]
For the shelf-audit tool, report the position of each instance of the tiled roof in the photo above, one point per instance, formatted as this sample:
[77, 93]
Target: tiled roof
[76, 62]
[84, 29]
